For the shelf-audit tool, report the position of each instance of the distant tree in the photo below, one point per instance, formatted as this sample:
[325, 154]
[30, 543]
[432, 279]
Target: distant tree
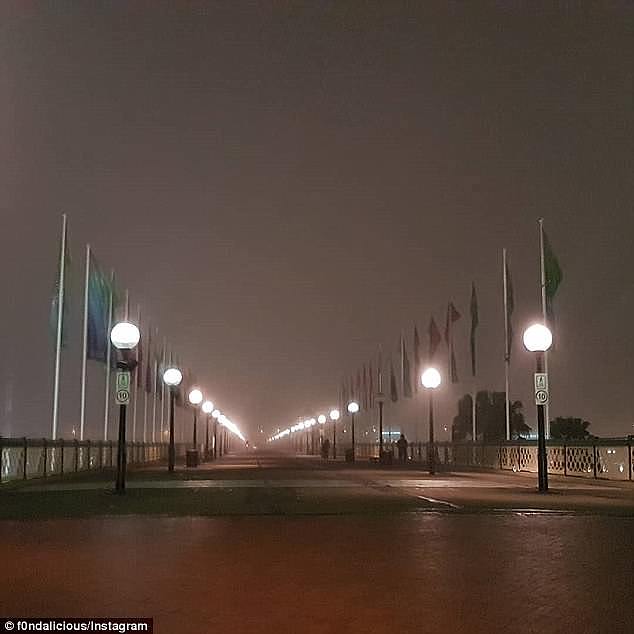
[490, 418]
[569, 428]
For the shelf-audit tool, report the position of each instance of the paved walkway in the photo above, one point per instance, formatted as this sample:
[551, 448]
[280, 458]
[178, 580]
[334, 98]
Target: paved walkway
[266, 544]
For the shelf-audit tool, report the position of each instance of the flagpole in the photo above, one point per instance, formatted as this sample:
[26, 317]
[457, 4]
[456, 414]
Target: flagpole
[149, 356]
[154, 396]
[507, 352]
[542, 271]
[106, 408]
[60, 326]
[162, 392]
[82, 413]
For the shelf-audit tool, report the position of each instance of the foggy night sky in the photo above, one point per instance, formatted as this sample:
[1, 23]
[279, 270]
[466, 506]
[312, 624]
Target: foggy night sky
[283, 186]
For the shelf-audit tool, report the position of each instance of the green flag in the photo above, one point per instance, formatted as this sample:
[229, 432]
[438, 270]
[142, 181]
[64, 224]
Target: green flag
[552, 277]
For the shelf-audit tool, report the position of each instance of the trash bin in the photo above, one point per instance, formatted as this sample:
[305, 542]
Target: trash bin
[386, 457]
[192, 458]
[349, 455]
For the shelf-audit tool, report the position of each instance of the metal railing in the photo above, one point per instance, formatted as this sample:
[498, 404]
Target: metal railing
[607, 459]
[26, 458]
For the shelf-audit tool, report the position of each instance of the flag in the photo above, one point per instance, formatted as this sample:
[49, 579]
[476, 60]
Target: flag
[553, 276]
[148, 364]
[365, 399]
[452, 316]
[510, 305]
[474, 326]
[59, 293]
[417, 364]
[406, 377]
[99, 290]
[434, 338]
[158, 380]
[393, 390]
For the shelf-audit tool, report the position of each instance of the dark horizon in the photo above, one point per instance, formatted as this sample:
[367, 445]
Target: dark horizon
[284, 188]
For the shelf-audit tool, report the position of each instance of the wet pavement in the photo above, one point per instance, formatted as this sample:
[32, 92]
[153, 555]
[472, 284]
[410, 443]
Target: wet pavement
[370, 551]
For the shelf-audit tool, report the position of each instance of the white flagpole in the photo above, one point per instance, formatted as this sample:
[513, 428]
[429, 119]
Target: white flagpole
[143, 387]
[106, 407]
[507, 352]
[60, 326]
[402, 364]
[84, 356]
[136, 384]
[542, 271]
[154, 396]
[162, 391]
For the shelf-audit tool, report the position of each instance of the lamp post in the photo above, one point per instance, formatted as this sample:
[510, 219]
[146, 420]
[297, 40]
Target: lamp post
[312, 422]
[172, 377]
[380, 399]
[334, 417]
[430, 380]
[124, 337]
[215, 415]
[353, 408]
[208, 408]
[538, 339]
[195, 398]
[223, 447]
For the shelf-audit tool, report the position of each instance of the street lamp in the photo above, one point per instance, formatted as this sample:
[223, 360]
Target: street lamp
[172, 377]
[538, 339]
[353, 408]
[311, 435]
[124, 337]
[215, 414]
[195, 398]
[430, 380]
[334, 417]
[207, 408]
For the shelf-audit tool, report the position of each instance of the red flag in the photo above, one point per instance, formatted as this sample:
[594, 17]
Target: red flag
[434, 338]
[452, 316]
[364, 393]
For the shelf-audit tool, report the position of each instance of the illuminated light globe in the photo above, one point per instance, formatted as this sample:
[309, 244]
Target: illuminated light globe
[216, 413]
[430, 378]
[125, 336]
[334, 414]
[321, 419]
[172, 377]
[195, 396]
[208, 407]
[353, 407]
[537, 338]
[312, 422]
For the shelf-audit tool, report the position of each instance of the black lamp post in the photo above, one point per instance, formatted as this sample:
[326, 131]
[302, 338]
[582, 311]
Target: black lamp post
[353, 408]
[172, 377]
[215, 415]
[208, 408]
[431, 380]
[125, 337]
[334, 417]
[538, 339]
